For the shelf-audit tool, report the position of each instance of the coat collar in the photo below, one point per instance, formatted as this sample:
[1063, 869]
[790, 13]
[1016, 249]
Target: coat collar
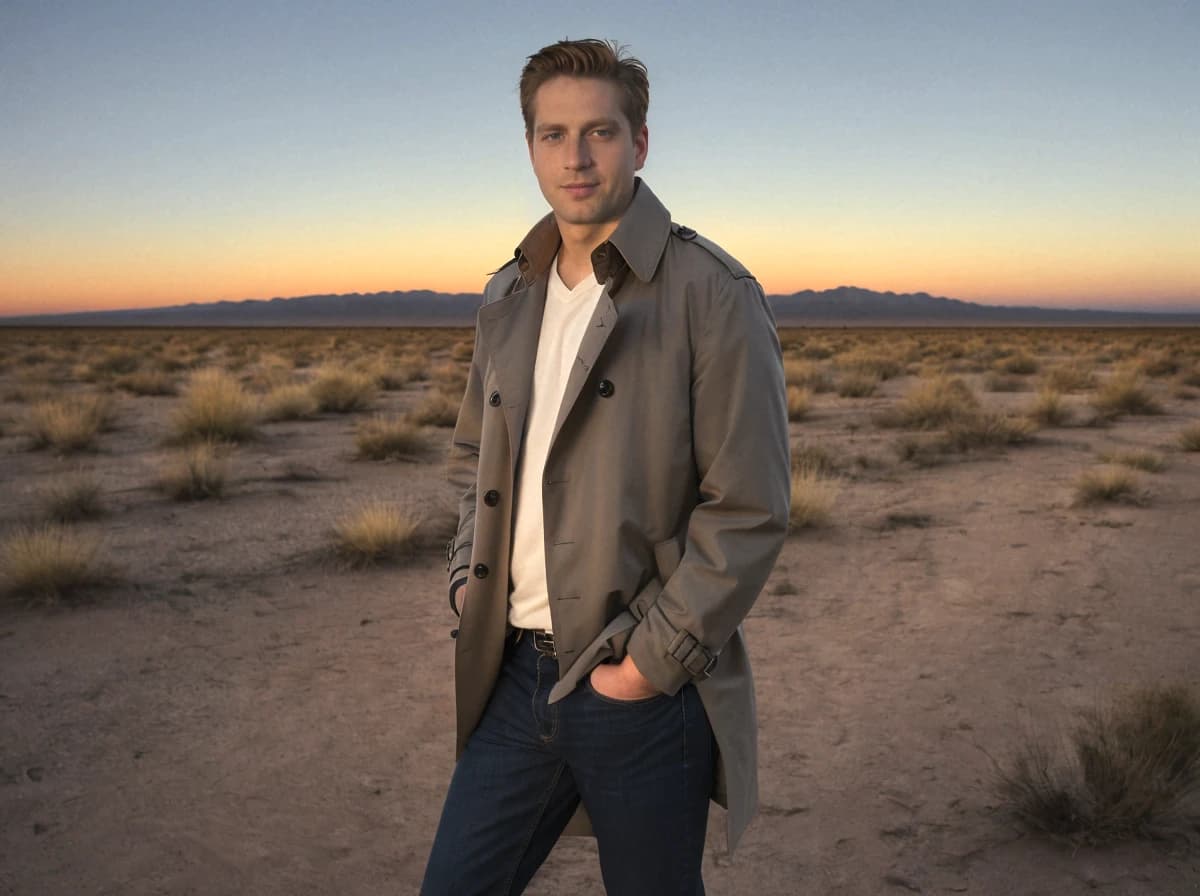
[639, 241]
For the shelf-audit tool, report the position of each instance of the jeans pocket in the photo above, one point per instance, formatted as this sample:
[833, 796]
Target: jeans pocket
[614, 701]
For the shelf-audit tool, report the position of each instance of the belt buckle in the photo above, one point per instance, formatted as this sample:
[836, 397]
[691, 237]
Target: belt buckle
[543, 642]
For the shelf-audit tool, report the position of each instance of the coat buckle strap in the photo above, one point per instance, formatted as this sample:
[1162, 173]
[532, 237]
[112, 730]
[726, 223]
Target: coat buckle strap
[690, 654]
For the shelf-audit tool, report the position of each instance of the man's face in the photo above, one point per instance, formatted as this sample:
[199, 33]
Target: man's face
[584, 151]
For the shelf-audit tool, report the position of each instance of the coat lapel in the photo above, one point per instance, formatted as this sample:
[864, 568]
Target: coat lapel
[600, 327]
[510, 327]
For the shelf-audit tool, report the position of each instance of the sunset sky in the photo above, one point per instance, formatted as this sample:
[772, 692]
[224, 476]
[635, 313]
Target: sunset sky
[154, 153]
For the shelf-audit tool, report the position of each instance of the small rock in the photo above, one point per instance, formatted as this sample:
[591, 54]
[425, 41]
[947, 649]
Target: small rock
[39, 828]
[35, 774]
[897, 880]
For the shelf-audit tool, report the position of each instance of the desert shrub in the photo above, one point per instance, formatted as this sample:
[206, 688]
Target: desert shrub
[374, 533]
[1019, 364]
[987, 430]
[1049, 409]
[1159, 364]
[450, 377]
[414, 367]
[857, 385]
[932, 403]
[1071, 377]
[1189, 437]
[799, 402]
[294, 402]
[215, 406]
[117, 360]
[807, 375]
[72, 498]
[70, 423]
[342, 391]
[995, 381]
[881, 366]
[197, 472]
[50, 562]
[436, 409]
[462, 351]
[813, 497]
[1128, 770]
[1107, 485]
[1137, 459]
[147, 382]
[381, 438]
[1190, 377]
[1124, 393]
[815, 458]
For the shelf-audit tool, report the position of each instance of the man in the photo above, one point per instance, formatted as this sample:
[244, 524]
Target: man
[623, 450]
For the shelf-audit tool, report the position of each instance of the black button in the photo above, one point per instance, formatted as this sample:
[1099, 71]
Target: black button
[494, 399]
[491, 497]
[481, 570]
[606, 389]
[453, 633]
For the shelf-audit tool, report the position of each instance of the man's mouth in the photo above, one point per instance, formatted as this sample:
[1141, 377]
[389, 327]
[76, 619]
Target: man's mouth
[580, 190]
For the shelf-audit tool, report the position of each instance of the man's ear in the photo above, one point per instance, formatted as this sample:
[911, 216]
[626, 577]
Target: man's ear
[641, 146]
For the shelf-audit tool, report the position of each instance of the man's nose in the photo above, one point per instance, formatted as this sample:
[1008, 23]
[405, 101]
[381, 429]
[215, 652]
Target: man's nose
[579, 156]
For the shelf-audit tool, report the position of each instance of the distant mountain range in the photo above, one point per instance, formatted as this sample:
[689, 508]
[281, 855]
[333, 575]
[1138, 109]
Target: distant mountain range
[845, 305]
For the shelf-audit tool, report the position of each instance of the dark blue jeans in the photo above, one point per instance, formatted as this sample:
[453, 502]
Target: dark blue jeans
[643, 769]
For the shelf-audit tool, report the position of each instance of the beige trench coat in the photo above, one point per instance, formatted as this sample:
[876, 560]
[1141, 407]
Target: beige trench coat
[666, 487]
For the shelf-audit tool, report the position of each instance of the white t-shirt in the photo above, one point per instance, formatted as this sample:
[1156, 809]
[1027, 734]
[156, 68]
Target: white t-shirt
[563, 324]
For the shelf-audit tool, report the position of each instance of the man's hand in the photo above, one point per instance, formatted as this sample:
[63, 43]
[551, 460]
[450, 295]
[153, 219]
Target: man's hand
[622, 681]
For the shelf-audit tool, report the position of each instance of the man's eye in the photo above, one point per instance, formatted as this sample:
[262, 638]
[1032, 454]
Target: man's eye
[551, 135]
[602, 132]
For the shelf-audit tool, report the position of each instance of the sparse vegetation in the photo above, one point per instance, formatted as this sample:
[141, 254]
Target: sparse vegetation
[1049, 408]
[933, 403]
[375, 533]
[987, 430]
[215, 406]
[197, 472]
[857, 385]
[1129, 770]
[813, 497]
[1189, 438]
[1124, 393]
[69, 424]
[436, 409]
[381, 438]
[807, 375]
[1070, 377]
[1137, 459]
[1108, 485]
[341, 391]
[147, 382]
[49, 562]
[71, 498]
[799, 402]
[294, 402]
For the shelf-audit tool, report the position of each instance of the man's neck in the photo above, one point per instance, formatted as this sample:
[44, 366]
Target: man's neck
[575, 253]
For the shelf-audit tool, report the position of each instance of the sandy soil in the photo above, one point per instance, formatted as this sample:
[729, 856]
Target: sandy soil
[240, 716]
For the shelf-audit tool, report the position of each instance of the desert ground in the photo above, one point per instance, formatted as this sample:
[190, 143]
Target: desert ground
[217, 676]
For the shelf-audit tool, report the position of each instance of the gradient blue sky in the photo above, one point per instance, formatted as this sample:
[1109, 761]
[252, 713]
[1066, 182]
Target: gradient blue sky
[1017, 152]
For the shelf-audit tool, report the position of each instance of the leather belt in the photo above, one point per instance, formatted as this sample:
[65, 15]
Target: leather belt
[543, 641]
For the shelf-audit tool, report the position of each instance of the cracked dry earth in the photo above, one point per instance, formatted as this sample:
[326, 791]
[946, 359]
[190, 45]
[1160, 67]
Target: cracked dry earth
[240, 717]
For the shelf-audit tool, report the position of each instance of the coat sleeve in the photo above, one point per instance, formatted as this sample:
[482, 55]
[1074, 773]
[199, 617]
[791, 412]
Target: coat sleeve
[462, 467]
[735, 532]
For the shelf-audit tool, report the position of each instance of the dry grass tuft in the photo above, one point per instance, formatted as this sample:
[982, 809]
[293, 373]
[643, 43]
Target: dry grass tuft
[72, 498]
[1049, 409]
[813, 497]
[1073, 376]
[807, 375]
[381, 438]
[215, 406]
[1137, 459]
[1019, 364]
[799, 403]
[1108, 485]
[198, 472]
[294, 402]
[375, 533]
[1124, 393]
[1129, 770]
[1189, 438]
[933, 403]
[70, 423]
[987, 430]
[50, 562]
[437, 409]
[341, 391]
[147, 382]
[857, 385]
[996, 381]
